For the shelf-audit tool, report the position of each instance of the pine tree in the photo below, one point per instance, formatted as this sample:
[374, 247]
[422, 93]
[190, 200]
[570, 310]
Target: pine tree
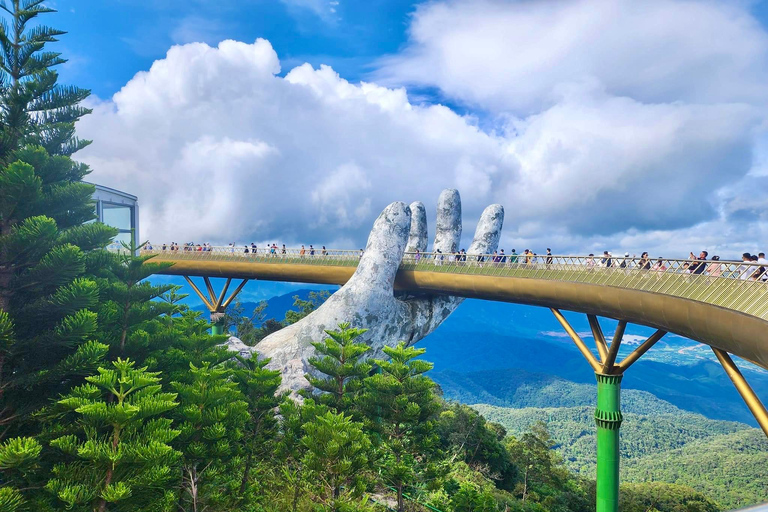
[18, 458]
[290, 450]
[121, 459]
[341, 363]
[259, 387]
[402, 406]
[337, 456]
[129, 312]
[47, 304]
[212, 417]
[34, 108]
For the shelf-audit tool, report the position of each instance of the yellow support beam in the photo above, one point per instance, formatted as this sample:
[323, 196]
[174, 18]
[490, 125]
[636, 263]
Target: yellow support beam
[210, 306]
[744, 389]
[613, 351]
[597, 367]
[639, 351]
[597, 333]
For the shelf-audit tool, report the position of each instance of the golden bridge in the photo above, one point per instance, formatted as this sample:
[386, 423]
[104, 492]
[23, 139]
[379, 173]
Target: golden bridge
[717, 303]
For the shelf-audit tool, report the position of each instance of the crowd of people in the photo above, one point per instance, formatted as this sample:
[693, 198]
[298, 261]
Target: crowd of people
[753, 266]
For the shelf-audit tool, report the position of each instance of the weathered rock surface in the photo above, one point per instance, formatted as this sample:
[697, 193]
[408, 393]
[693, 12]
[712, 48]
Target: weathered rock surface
[368, 300]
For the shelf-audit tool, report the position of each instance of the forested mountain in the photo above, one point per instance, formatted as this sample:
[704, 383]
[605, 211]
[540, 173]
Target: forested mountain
[722, 459]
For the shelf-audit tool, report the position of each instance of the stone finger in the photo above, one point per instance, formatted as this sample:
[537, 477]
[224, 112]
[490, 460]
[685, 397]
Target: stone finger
[417, 238]
[488, 230]
[448, 225]
[384, 250]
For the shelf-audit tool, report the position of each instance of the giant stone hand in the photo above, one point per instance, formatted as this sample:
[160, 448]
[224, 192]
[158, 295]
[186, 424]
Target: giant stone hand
[368, 299]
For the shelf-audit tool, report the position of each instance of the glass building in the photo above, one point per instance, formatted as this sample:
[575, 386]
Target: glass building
[119, 210]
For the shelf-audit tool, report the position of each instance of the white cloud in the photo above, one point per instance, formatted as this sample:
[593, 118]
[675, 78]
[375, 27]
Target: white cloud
[219, 148]
[634, 123]
[526, 56]
[617, 127]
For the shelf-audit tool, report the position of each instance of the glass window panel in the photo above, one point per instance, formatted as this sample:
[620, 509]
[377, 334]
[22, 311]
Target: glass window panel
[116, 216]
[121, 237]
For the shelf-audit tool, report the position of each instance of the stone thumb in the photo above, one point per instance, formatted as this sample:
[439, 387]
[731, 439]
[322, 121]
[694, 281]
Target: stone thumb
[384, 251]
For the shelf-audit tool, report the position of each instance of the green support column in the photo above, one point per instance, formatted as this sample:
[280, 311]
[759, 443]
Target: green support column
[608, 419]
[217, 329]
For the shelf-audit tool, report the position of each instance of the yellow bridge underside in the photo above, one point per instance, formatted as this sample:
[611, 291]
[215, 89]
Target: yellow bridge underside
[739, 330]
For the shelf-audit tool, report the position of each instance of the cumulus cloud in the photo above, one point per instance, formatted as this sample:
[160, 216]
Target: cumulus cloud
[525, 56]
[220, 148]
[616, 126]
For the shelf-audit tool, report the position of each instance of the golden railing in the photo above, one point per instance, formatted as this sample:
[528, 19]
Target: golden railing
[732, 285]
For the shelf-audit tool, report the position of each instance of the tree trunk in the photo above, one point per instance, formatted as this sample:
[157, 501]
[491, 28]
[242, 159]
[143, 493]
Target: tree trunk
[246, 472]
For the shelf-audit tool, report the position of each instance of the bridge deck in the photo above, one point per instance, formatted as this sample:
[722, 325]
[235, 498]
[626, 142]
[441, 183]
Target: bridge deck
[716, 307]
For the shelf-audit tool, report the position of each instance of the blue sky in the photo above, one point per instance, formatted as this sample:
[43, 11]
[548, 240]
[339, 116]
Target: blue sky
[110, 40]
[598, 124]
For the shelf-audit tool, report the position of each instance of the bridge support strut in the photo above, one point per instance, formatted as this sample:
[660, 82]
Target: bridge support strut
[216, 304]
[608, 416]
[744, 389]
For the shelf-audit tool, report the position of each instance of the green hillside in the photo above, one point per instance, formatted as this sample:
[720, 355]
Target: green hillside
[730, 468]
[724, 460]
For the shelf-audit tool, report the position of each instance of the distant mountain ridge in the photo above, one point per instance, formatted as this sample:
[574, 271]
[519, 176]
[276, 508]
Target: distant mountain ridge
[276, 306]
[518, 388]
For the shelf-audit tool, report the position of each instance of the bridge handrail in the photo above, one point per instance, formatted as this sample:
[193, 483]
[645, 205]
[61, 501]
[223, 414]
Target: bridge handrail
[729, 284]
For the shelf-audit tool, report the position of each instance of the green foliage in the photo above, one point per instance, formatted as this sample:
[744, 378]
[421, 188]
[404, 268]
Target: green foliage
[47, 304]
[259, 388]
[401, 408]
[35, 108]
[340, 361]
[337, 454]
[661, 497]
[119, 455]
[246, 326]
[467, 435]
[305, 307]
[128, 310]
[211, 417]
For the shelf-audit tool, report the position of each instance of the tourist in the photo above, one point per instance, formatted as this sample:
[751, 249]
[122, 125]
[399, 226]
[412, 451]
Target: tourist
[302, 252]
[361, 253]
[324, 252]
[659, 265]
[645, 262]
[311, 250]
[417, 256]
[757, 272]
[745, 270]
[513, 257]
[246, 250]
[763, 263]
[503, 257]
[549, 256]
[590, 261]
[695, 267]
[715, 269]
